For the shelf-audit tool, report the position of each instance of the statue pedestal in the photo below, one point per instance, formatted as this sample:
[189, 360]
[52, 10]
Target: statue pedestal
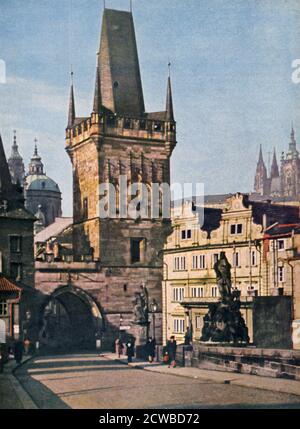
[140, 333]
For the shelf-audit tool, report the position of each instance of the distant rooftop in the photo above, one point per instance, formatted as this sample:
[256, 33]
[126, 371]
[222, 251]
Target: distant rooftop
[60, 224]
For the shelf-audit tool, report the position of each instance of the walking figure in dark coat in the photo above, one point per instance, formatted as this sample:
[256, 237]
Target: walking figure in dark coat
[150, 349]
[171, 350]
[129, 351]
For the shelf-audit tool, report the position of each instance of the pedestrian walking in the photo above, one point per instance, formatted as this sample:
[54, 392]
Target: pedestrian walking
[119, 348]
[171, 350]
[18, 352]
[150, 349]
[129, 351]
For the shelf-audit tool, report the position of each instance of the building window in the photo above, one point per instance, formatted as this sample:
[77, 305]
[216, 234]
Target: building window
[281, 274]
[179, 327]
[178, 294]
[135, 249]
[182, 263]
[236, 229]
[186, 234]
[199, 262]
[197, 292]
[236, 260]
[198, 322]
[85, 208]
[214, 291]
[253, 258]
[280, 245]
[179, 263]
[15, 271]
[3, 308]
[15, 244]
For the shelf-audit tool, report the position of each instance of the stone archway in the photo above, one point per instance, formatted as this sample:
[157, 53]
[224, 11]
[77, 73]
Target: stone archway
[70, 320]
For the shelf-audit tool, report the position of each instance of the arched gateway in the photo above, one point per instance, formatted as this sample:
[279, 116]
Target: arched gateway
[70, 320]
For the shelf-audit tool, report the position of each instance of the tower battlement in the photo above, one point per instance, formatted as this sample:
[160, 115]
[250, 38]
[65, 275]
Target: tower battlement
[111, 125]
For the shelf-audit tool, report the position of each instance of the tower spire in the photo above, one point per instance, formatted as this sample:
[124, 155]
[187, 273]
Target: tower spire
[15, 149]
[292, 145]
[71, 117]
[169, 103]
[261, 174]
[274, 167]
[97, 96]
[260, 157]
[16, 164]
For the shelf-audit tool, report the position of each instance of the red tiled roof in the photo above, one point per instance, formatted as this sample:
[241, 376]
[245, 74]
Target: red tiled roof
[7, 285]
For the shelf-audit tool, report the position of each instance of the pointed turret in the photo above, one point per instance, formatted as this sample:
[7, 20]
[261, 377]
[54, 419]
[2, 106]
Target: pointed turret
[274, 167]
[71, 117]
[97, 107]
[169, 103]
[16, 164]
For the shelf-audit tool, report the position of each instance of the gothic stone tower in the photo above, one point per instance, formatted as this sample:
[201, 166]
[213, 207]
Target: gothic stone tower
[120, 138]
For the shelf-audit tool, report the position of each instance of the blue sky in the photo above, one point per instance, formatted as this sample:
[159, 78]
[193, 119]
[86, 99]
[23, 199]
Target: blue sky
[231, 75]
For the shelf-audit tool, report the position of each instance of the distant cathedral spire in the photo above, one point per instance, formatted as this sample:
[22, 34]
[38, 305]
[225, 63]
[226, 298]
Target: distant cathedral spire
[169, 103]
[292, 145]
[71, 117]
[274, 167]
[261, 174]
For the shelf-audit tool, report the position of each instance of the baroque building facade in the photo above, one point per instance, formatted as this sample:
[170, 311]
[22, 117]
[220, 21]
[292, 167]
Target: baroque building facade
[112, 258]
[237, 228]
[284, 182]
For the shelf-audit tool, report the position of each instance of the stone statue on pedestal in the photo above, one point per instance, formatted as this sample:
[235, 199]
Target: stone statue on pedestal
[141, 306]
[224, 321]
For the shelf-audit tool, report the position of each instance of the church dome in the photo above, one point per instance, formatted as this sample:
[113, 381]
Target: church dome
[41, 182]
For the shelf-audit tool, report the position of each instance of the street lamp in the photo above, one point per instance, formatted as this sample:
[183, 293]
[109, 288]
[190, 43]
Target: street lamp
[153, 310]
